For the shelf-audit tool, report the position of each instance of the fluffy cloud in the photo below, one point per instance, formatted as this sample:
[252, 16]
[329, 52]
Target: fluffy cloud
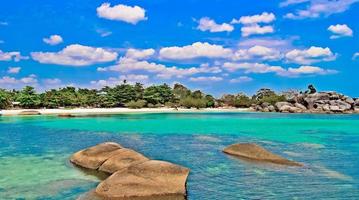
[126, 65]
[9, 56]
[256, 29]
[306, 70]
[196, 50]
[11, 82]
[318, 8]
[14, 70]
[103, 33]
[259, 68]
[252, 67]
[53, 40]
[112, 81]
[122, 12]
[75, 55]
[206, 79]
[241, 79]
[52, 81]
[340, 30]
[255, 19]
[291, 2]
[139, 54]
[207, 24]
[311, 55]
[355, 56]
[257, 52]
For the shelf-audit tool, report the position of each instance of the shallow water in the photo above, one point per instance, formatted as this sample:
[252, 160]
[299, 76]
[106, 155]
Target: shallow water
[34, 153]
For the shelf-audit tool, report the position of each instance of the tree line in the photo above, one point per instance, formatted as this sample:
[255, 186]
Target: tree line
[131, 96]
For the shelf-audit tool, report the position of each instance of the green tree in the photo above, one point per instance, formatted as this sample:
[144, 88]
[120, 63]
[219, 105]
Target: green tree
[28, 98]
[160, 94]
[5, 100]
[242, 101]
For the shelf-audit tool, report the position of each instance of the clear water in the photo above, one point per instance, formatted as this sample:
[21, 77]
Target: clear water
[34, 153]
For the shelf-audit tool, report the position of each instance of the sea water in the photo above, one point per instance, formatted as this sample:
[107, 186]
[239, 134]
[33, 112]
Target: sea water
[34, 153]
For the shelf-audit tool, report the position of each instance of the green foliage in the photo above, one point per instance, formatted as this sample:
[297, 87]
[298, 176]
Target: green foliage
[5, 100]
[242, 101]
[269, 96]
[28, 98]
[190, 102]
[136, 104]
[158, 94]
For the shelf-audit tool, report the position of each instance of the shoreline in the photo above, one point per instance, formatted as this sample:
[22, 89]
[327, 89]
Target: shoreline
[106, 111]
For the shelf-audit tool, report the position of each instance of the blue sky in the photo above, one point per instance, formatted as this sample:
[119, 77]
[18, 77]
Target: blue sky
[218, 46]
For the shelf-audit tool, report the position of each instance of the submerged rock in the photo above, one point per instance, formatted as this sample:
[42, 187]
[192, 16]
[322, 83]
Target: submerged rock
[255, 152]
[94, 157]
[122, 159]
[134, 176]
[148, 179]
[30, 112]
[66, 115]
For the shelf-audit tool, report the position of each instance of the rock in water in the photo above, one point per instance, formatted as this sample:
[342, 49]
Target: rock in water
[149, 179]
[30, 112]
[122, 159]
[94, 157]
[255, 152]
[66, 115]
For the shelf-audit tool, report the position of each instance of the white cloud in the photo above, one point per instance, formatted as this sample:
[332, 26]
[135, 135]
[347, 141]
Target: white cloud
[207, 24]
[14, 70]
[241, 79]
[9, 56]
[307, 70]
[53, 40]
[75, 55]
[355, 56]
[206, 78]
[292, 2]
[196, 50]
[139, 54]
[259, 68]
[311, 55]
[126, 65]
[256, 29]
[340, 30]
[11, 82]
[265, 17]
[257, 52]
[319, 8]
[53, 81]
[122, 12]
[112, 81]
[103, 33]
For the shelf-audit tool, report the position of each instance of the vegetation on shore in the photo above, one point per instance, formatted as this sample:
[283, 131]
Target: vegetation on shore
[131, 96]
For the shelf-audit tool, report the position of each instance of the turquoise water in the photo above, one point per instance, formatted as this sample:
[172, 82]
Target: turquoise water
[34, 153]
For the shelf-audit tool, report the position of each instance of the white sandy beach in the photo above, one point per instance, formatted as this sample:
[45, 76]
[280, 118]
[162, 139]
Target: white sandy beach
[99, 111]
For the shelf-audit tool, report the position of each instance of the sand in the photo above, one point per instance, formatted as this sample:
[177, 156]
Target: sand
[99, 111]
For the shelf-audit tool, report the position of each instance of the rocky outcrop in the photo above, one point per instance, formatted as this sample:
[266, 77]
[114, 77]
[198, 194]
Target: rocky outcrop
[133, 176]
[94, 157]
[66, 115]
[321, 102]
[30, 112]
[151, 178]
[257, 153]
[121, 160]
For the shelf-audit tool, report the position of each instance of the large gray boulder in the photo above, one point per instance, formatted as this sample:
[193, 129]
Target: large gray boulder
[122, 159]
[30, 112]
[94, 157]
[149, 179]
[134, 176]
[257, 153]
